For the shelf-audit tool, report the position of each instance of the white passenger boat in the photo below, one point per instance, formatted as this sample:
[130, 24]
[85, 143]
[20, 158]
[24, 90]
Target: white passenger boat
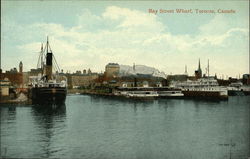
[204, 88]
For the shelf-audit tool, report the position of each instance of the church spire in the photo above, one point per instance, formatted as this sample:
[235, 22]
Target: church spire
[198, 72]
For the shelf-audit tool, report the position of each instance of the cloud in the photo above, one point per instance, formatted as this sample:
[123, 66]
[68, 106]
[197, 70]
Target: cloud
[126, 36]
[133, 19]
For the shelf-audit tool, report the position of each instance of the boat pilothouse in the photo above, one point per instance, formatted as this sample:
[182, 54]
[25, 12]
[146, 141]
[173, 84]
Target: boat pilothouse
[48, 87]
[204, 87]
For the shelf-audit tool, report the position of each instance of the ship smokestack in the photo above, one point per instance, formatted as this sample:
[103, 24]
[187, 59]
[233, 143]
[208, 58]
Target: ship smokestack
[48, 62]
[49, 66]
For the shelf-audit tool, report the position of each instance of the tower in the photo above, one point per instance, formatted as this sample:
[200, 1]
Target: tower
[198, 72]
[20, 67]
[134, 68]
[185, 70]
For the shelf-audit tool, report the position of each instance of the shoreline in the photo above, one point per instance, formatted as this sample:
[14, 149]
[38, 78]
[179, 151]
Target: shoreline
[103, 93]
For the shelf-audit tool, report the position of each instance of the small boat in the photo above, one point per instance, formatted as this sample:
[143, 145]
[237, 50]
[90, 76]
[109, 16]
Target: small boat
[48, 87]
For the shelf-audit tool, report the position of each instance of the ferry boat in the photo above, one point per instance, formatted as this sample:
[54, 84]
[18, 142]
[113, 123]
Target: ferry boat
[203, 88]
[148, 92]
[48, 87]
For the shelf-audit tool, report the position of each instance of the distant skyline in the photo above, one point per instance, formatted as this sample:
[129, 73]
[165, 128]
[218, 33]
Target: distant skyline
[85, 34]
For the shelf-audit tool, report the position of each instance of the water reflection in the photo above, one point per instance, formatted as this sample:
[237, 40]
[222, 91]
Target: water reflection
[106, 127]
[8, 113]
[50, 109]
[125, 101]
[49, 120]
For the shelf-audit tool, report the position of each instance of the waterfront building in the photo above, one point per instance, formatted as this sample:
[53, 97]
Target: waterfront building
[83, 80]
[77, 80]
[181, 77]
[4, 87]
[35, 72]
[13, 70]
[112, 70]
[15, 78]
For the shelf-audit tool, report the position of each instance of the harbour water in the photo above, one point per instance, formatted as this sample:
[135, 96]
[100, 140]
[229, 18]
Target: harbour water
[103, 127]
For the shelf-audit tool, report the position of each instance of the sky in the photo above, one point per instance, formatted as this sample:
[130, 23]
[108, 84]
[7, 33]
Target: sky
[91, 34]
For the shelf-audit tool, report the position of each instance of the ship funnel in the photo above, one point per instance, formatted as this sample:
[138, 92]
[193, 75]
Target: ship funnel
[49, 57]
[49, 66]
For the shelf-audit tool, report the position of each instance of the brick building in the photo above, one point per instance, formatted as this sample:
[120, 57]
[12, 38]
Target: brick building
[112, 70]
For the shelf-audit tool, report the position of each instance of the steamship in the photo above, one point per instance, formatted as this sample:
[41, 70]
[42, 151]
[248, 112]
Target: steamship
[48, 87]
[203, 88]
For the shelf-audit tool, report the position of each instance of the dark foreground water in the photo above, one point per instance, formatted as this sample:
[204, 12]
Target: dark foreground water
[98, 127]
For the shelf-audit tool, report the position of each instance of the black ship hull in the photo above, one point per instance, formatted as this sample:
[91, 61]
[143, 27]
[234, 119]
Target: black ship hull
[47, 95]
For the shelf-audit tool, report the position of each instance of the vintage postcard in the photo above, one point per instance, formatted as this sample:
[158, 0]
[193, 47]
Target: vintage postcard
[125, 79]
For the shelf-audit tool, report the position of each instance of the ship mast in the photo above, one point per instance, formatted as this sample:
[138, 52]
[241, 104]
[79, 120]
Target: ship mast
[208, 67]
[185, 70]
[42, 56]
[47, 44]
[40, 62]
